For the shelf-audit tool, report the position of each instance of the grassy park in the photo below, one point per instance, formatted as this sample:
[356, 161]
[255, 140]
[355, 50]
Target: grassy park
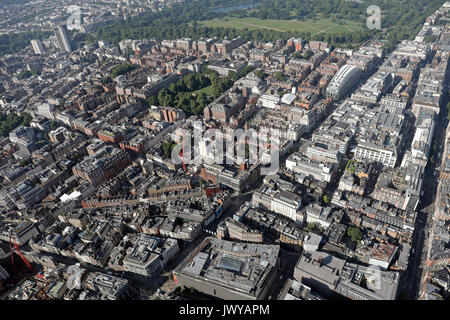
[315, 26]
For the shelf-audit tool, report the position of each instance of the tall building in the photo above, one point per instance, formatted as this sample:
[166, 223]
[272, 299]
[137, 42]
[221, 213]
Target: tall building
[37, 46]
[343, 81]
[63, 41]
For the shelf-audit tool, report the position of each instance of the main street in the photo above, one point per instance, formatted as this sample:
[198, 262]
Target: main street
[412, 279]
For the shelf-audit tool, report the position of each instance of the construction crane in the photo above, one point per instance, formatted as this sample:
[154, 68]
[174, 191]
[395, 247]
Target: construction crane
[182, 153]
[11, 253]
[182, 160]
[16, 246]
[17, 249]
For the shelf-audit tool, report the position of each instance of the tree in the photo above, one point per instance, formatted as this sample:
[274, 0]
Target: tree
[260, 74]
[167, 148]
[313, 227]
[24, 75]
[232, 75]
[308, 54]
[355, 233]
[34, 71]
[402, 19]
[153, 101]
[13, 42]
[10, 121]
[202, 99]
[173, 88]
[168, 100]
[279, 76]
[245, 71]
[122, 69]
[26, 119]
[162, 96]
[282, 93]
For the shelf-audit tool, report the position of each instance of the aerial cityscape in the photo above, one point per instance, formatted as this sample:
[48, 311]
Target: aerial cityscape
[220, 150]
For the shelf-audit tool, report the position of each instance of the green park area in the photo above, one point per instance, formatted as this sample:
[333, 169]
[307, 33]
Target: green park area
[195, 91]
[313, 26]
[209, 91]
[10, 121]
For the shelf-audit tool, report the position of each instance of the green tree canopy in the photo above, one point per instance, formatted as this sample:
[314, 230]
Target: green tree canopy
[10, 121]
[279, 76]
[167, 148]
[355, 234]
[260, 73]
[24, 75]
[122, 69]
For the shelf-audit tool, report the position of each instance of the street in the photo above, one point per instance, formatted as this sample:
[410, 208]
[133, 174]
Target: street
[412, 280]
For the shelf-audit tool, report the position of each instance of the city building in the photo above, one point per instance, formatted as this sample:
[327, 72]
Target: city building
[382, 255]
[62, 40]
[294, 290]
[329, 275]
[37, 46]
[343, 81]
[149, 255]
[230, 270]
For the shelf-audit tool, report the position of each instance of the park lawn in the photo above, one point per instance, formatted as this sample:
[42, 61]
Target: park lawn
[208, 90]
[314, 27]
